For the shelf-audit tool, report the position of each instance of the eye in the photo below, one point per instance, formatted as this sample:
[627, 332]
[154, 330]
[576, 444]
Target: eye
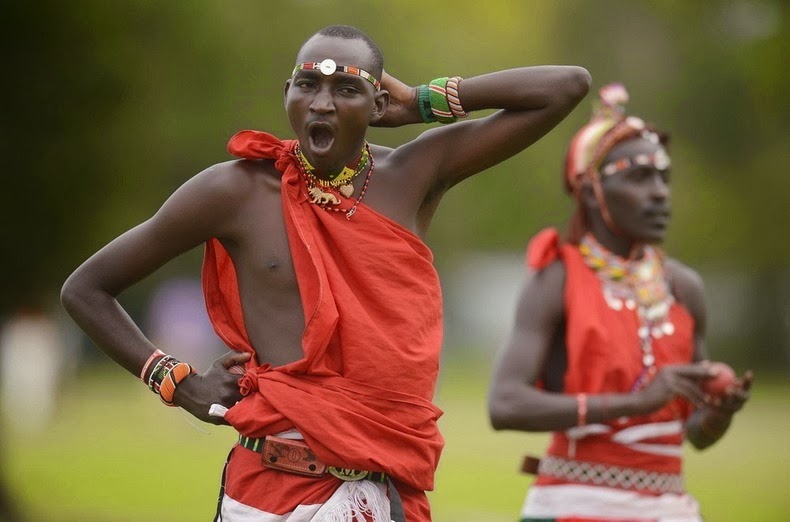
[348, 90]
[640, 174]
[665, 175]
[305, 84]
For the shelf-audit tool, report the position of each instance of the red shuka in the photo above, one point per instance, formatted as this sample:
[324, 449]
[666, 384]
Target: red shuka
[604, 356]
[362, 394]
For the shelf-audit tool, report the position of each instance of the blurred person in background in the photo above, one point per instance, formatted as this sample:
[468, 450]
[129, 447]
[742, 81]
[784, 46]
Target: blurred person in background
[317, 276]
[32, 338]
[608, 349]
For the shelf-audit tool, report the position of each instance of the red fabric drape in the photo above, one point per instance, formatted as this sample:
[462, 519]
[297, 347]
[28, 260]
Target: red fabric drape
[362, 394]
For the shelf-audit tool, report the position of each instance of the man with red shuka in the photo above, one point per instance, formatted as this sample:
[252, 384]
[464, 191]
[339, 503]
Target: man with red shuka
[317, 276]
[607, 349]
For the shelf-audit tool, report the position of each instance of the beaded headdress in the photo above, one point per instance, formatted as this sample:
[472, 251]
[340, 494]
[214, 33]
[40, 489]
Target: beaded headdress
[608, 126]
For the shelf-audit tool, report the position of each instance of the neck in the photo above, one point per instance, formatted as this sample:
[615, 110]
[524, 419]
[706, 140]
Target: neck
[350, 163]
[615, 243]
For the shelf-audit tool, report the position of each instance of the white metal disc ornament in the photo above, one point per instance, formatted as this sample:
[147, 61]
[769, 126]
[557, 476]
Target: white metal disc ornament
[328, 67]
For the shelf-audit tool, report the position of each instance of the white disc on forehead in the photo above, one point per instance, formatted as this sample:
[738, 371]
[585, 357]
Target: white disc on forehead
[328, 66]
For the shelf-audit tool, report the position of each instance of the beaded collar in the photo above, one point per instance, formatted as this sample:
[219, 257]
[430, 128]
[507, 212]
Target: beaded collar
[638, 285]
[341, 180]
[341, 183]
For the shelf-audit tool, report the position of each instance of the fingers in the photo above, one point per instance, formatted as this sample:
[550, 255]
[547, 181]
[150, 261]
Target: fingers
[234, 359]
[746, 380]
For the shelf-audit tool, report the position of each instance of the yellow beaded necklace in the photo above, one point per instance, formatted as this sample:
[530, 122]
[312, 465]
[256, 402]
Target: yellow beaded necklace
[341, 181]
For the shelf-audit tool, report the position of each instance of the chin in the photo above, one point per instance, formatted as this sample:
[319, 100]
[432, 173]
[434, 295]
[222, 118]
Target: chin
[655, 238]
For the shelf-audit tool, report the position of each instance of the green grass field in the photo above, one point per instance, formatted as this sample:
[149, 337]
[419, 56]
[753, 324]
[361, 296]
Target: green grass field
[114, 453]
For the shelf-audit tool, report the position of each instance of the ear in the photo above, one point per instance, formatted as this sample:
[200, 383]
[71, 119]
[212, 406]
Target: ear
[381, 101]
[588, 198]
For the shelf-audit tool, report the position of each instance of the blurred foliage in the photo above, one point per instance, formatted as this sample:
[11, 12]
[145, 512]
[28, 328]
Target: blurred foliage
[110, 105]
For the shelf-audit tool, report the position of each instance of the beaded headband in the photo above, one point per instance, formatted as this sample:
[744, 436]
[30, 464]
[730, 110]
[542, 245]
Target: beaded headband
[609, 125]
[660, 160]
[328, 67]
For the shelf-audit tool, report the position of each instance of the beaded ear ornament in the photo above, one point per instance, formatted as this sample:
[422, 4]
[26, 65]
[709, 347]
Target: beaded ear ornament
[328, 67]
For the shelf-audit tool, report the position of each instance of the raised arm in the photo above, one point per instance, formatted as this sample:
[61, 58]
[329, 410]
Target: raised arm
[533, 100]
[200, 209]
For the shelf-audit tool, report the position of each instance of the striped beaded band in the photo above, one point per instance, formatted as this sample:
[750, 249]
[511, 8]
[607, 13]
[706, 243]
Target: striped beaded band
[178, 373]
[440, 106]
[660, 160]
[328, 67]
[160, 371]
[452, 97]
[151, 359]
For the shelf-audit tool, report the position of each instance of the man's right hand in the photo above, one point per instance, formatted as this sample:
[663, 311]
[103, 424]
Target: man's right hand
[218, 385]
[402, 108]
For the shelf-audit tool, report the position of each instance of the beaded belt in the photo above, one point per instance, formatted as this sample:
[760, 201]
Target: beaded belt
[295, 456]
[612, 476]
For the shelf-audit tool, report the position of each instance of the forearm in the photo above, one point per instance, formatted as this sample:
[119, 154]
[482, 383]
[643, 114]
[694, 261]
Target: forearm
[526, 88]
[107, 324]
[531, 409]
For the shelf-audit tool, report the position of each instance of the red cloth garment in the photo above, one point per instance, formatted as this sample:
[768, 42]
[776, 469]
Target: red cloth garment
[362, 394]
[604, 356]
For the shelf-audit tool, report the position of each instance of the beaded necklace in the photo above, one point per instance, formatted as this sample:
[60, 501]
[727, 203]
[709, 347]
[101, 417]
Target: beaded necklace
[634, 284]
[343, 186]
[341, 181]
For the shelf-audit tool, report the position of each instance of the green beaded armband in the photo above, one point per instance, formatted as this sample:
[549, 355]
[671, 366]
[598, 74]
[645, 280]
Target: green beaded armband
[440, 107]
[424, 103]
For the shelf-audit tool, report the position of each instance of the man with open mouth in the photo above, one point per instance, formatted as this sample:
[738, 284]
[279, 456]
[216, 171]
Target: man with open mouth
[316, 275]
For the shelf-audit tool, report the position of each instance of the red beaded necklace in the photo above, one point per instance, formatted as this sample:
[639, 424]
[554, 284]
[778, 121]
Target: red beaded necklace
[325, 200]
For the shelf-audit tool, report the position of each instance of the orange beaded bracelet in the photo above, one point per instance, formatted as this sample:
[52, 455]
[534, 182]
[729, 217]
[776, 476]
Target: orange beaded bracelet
[178, 373]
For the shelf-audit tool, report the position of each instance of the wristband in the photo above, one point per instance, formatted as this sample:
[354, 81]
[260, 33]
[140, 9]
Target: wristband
[178, 373]
[150, 360]
[453, 99]
[161, 369]
[440, 107]
[424, 103]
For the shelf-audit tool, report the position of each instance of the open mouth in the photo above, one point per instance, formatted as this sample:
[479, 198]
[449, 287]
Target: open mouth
[321, 137]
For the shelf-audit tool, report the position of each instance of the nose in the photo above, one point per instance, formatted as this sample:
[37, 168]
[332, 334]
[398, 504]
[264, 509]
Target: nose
[659, 188]
[322, 102]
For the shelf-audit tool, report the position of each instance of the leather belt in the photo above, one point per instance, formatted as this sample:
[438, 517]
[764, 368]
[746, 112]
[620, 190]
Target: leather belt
[295, 456]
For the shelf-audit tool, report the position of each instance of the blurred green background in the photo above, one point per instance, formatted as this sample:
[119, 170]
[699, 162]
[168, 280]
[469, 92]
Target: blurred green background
[110, 105]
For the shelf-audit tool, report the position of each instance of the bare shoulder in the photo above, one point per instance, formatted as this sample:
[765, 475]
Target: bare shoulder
[543, 293]
[237, 178]
[687, 285]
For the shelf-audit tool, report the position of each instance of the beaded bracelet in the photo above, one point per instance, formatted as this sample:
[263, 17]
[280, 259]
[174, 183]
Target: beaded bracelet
[160, 371]
[148, 363]
[440, 107]
[452, 97]
[581, 409]
[178, 373]
[424, 103]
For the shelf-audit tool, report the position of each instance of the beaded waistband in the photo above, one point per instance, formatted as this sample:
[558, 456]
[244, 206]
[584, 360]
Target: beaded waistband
[611, 476]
